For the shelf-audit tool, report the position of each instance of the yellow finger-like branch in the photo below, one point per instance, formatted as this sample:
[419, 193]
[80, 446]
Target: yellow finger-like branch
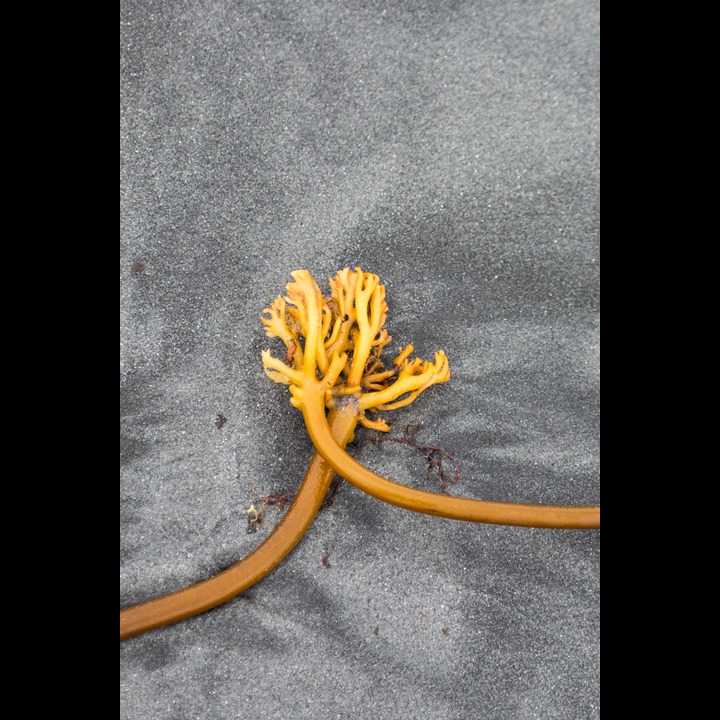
[343, 292]
[365, 283]
[334, 335]
[276, 324]
[404, 355]
[381, 339]
[307, 298]
[403, 402]
[378, 312]
[414, 377]
[372, 381]
[337, 363]
[379, 425]
[278, 371]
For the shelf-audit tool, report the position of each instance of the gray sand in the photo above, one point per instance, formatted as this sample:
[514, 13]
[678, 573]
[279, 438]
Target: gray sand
[453, 149]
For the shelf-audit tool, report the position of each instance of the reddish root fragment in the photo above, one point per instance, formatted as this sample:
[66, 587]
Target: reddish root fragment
[332, 491]
[279, 500]
[433, 454]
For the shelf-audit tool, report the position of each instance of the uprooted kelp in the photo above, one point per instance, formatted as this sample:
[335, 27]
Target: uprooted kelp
[336, 376]
[339, 369]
